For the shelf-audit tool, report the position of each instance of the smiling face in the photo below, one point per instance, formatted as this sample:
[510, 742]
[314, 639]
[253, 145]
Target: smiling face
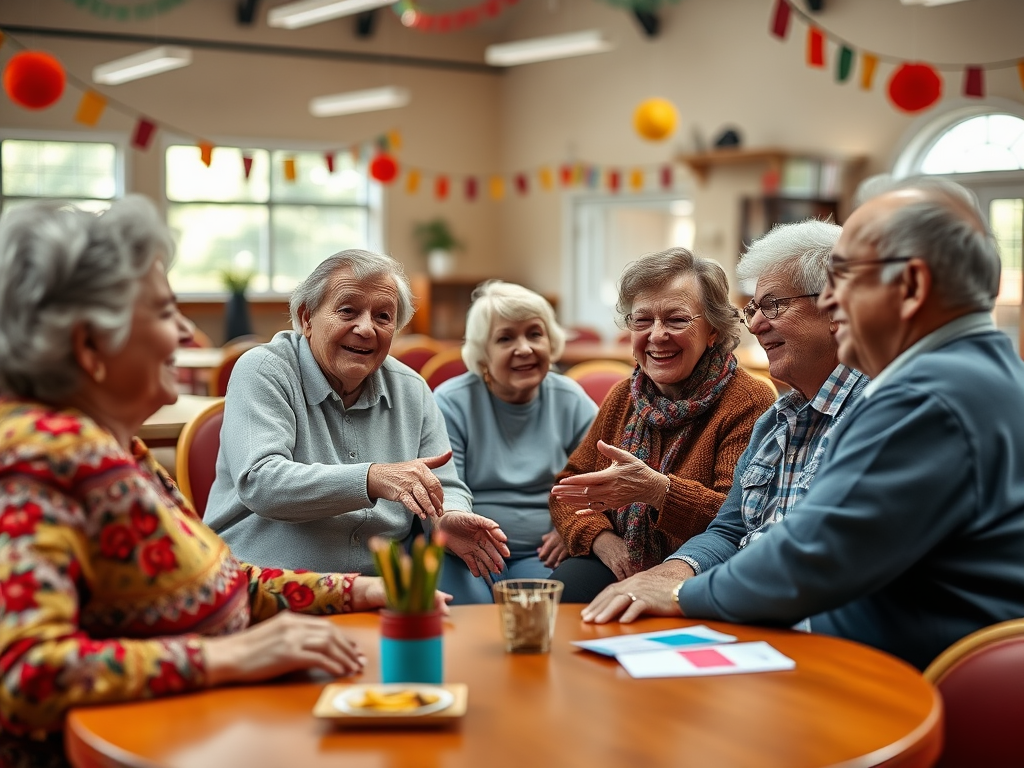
[669, 357]
[350, 333]
[518, 358]
[801, 350]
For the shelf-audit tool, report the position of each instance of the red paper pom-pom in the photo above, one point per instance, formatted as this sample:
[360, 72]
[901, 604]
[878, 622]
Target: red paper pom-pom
[384, 168]
[34, 79]
[914, 87]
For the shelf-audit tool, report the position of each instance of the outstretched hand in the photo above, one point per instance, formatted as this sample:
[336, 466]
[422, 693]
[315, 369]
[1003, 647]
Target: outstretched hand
[627, 480]
[478, 540]
[411, 483]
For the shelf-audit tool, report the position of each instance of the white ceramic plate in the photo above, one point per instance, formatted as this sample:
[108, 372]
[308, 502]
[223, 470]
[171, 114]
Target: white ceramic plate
[348, 701]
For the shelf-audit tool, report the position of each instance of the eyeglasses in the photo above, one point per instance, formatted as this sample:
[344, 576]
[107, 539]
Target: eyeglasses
[770, 306]
[839, 269]
[674, 324]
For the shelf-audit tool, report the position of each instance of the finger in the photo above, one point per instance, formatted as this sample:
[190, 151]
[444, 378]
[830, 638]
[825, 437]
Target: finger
[470, 560]
[434, 462]
[411, 504]
[423, 500]
[615, 454]
[490, 556]
[633, 611]
[438, 500]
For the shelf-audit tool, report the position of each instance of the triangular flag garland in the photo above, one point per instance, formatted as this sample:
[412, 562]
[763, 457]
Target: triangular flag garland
[913, 85]
[414, 17]
[90, 108]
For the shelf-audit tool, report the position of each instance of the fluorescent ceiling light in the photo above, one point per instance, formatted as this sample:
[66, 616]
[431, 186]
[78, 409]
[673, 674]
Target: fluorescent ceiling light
[929, 2]
[359, 101]
[151, 62]
[307, 12]
[545, 48]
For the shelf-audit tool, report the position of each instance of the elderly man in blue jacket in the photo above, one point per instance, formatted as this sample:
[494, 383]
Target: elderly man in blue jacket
[911, 535]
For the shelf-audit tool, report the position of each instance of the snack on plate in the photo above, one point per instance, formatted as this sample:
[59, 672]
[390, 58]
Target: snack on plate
[395, 701]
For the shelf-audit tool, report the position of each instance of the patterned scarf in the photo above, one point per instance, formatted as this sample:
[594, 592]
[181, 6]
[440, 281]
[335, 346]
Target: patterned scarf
[654, 411]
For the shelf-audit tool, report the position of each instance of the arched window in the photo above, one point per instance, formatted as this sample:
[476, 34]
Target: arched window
[993, 142]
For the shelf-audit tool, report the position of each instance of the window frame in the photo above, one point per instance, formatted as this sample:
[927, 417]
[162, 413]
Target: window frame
[374, 205]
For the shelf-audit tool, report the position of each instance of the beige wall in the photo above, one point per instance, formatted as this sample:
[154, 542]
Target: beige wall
[714, 59]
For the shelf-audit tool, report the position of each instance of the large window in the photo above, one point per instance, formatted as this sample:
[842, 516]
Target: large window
[993, 142]
[87, 173]
[275, 227]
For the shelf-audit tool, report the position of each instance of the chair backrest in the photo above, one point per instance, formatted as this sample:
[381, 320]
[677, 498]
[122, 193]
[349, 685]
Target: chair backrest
[443, 366]
[597, 377]
[416, 352]
[222, 373]
[196, 456]
[765, 378]
[582, 333]
[981, 679]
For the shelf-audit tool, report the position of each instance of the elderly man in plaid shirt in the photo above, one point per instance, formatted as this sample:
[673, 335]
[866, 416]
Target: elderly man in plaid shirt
[789, 265]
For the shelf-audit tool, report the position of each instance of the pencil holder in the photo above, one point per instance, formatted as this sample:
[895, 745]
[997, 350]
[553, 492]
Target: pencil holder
[411, 647]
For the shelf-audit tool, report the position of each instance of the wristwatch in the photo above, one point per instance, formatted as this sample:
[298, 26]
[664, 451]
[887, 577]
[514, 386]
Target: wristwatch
[675, 596]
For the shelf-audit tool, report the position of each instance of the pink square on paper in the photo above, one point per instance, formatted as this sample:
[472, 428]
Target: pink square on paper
[708, 657]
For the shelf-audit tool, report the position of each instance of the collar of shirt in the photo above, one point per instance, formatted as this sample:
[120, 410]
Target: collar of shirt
[829, 398]
[317, 389]
[966, 325]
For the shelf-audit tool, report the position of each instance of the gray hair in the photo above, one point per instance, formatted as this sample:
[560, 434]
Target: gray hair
[512, 302]
[947, 230]
[654, 271]
[800, 250]
[312, 291]
[61, 267]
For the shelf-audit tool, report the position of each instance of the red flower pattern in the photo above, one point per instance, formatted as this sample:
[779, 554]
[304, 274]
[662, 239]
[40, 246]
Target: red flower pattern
[117, 542]
[168, 681]
[20, 521]
[266, 574]
[299, 596]
[157, 556]
[38, 682]
[145, 523]
[57, 424]
[19, 592]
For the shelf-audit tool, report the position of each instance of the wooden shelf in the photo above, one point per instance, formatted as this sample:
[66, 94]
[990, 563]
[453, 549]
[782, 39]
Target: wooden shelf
[702, 163]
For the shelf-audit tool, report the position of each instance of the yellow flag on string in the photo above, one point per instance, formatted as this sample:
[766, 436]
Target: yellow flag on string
[289, 169]
[90, 108]
[394, 140]
[547, 179]
[206, 153]
[636, 179]
[1, 37]
[868, 62]
[497, 187]
[412, 181]
[1020, 72]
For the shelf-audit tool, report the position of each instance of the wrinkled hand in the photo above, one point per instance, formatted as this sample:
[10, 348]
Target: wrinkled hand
[627, 480]
[285, 643]
[552, 550]
[476, 539]
[611, 550]
[651, 588]
[368, 593]
[410, 483]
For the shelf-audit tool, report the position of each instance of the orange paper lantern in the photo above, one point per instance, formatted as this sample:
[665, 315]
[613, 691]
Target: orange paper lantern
[914, 87]
[655, 119]
[384, 168]
[34, 79]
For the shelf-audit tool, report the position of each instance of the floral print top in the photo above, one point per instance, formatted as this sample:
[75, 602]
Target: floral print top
[108, 578]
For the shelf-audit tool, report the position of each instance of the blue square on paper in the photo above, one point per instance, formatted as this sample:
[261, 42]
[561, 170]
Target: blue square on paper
[677, 640]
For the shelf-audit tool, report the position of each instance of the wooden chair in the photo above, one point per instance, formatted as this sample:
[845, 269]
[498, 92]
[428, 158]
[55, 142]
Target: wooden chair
[597, 377]
[443, 366]
[222, 373]
[764, 377]
[195, 461]
[981, 679]
[416, 351]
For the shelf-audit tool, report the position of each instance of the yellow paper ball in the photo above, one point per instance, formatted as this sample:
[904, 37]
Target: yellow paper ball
[655, 119]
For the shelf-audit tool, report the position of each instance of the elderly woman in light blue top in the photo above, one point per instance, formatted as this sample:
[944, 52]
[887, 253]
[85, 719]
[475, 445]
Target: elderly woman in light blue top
[327, 441]
[512, 424]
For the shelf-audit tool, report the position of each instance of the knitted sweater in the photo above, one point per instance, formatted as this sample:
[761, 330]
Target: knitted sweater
[700, 479]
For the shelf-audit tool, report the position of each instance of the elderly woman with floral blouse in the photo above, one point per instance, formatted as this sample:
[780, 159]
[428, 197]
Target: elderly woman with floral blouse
[111, 587]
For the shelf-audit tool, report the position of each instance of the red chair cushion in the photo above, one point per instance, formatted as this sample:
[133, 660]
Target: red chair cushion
[449, 370]
[598, 384]
[202, 460]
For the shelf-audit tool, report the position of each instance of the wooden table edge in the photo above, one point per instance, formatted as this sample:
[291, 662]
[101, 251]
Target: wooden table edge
[86, 750]
[921, 748]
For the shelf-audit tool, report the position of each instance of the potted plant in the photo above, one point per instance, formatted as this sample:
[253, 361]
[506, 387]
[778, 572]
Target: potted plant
[236, 312]
[436, 242]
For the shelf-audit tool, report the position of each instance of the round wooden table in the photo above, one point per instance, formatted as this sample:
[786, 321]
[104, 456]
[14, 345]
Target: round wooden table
[844, 705]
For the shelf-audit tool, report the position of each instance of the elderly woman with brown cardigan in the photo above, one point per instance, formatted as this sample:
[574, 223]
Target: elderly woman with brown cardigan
[658, 461]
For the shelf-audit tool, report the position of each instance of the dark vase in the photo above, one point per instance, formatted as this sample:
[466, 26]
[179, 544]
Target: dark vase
[236, 317]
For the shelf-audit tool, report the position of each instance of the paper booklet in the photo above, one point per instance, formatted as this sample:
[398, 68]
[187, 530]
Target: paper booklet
[647, 642]
[726, 659]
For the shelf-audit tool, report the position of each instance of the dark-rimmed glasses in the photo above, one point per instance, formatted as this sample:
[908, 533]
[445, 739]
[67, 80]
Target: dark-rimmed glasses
[770, 306]
[673, 323]
[840, 269]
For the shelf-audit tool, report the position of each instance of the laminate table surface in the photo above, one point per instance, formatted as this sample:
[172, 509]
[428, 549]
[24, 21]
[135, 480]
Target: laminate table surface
[844, 704]
[161, 430]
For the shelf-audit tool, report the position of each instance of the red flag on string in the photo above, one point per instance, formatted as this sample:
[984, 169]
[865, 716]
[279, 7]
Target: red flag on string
[666, 176]
[329, 159]
[974, 82]
[521, 186]
[780, 19]
[614, 180]
[441, 187]
[471, 188]
[206, 153]
[815, 47]
[247, 165]
[143, 134]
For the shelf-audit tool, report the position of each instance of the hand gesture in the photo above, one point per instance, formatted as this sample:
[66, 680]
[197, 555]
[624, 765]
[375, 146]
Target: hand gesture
[611, 550]
[411, 483]
[552, 550]
[476, 539]
[285, 643]
[627, 480]
[648, 592]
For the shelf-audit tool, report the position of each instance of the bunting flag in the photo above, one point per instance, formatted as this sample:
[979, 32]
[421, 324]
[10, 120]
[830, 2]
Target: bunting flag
[394, 140]
[636, 179]
[566, 173]
[614, 179]
[246, 164]
[412, 182]
[666, 177]
[289, 169]
[441, 188]
[471, 188]
[90, 109]
[329, 160]
[521, 185]
[143, 134]
[496, 185]
[414, 17]
[547, 182]
[913, 86]
[206, 153]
